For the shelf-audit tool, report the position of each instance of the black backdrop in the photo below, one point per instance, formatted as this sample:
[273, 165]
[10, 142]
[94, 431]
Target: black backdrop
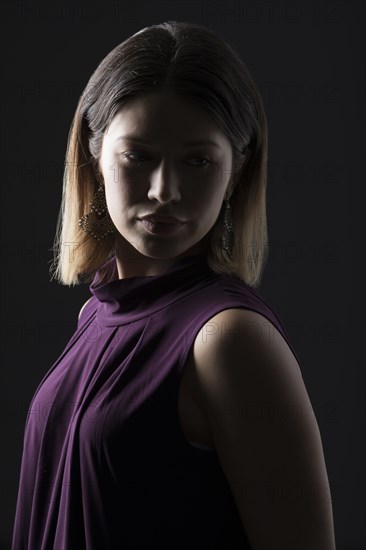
[308, 60]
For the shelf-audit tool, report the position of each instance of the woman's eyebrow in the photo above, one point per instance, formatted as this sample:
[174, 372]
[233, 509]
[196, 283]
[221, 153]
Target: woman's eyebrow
[188, 144]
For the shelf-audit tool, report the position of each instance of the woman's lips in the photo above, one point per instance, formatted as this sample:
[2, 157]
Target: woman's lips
[162, 228]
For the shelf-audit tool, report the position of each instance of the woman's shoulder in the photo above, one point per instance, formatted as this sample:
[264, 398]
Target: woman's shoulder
[83, 306]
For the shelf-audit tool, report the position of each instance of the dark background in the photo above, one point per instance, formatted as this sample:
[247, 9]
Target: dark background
[307, 58]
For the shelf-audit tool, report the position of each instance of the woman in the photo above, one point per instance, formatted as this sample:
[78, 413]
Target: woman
[168, 420]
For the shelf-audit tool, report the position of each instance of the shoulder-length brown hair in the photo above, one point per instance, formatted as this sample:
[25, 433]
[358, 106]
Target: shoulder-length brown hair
[192, 61]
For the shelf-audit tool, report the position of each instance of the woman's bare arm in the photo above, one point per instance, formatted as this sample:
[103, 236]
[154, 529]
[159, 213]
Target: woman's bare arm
[265, 432]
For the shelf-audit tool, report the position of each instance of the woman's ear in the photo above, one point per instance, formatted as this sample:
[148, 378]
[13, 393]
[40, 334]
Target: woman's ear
[98, 172]
[248, 154]
[232, 184]
[238, 171]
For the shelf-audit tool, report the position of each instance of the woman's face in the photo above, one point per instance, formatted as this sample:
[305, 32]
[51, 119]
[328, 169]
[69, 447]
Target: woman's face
[150, 167]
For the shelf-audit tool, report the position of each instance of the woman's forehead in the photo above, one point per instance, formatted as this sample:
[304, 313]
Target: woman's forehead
[147, 118]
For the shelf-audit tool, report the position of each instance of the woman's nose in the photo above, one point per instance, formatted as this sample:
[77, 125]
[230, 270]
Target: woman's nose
[164, 185]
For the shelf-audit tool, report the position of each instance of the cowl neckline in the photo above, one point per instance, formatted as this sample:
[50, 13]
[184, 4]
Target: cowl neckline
[122, 301]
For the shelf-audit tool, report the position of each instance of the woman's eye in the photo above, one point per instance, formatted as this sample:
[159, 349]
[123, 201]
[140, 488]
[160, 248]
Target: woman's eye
[207, 161]
[129, 156]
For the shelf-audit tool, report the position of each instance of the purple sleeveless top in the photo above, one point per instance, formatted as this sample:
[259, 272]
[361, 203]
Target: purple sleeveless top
[105, 465]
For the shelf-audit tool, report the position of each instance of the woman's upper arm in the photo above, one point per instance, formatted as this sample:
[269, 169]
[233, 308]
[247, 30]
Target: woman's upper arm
[265, 433]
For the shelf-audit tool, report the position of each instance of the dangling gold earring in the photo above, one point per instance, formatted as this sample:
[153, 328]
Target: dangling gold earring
[92, 223]
[227, 234]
